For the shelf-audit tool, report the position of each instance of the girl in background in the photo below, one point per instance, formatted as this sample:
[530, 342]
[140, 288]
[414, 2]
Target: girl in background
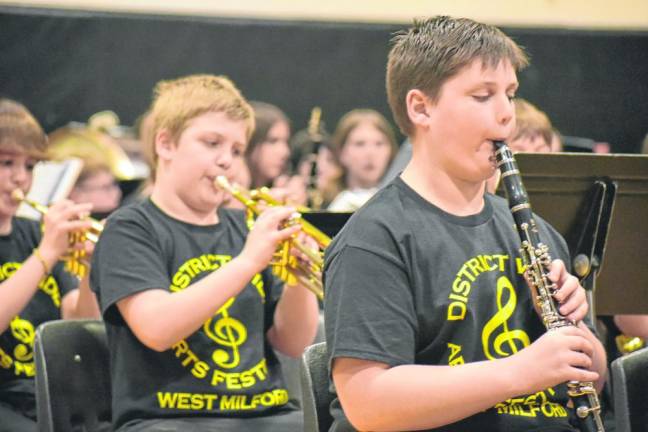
[268, 154]
[364, 143]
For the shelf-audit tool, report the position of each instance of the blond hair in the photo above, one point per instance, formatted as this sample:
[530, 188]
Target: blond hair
[425, 56]
[176, 102]
[531, 122]
[20, 130]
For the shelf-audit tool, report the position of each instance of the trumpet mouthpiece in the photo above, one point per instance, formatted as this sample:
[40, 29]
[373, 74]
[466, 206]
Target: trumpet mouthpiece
[223, 182]
[17, 195]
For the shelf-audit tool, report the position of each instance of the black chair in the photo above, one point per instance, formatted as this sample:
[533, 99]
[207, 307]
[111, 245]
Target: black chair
[72, 376]
[316, 397]
[630, 390]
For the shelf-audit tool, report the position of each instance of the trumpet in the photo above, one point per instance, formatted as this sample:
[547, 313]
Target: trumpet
[285, 264]
[74, 259]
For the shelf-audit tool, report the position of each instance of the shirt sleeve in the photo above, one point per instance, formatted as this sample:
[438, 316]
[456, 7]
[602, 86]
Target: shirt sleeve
[369, 307]
[127, 260]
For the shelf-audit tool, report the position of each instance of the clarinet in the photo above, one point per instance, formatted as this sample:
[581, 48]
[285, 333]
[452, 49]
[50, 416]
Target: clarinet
[535, 256]
[315, 198]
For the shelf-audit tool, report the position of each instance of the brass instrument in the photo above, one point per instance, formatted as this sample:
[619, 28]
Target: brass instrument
[627, 344]
[285, 265]
[103, 142]
[315, 197]
[74, 259]
[537, 260]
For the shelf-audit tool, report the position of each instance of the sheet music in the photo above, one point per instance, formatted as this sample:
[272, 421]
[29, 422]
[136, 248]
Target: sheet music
[53, 180]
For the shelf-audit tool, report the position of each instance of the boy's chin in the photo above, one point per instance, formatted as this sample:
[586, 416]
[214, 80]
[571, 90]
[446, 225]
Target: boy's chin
[218, 199]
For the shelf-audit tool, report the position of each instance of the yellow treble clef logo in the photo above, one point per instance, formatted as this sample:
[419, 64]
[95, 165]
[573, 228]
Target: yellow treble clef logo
[514, 339]
[23, 331]
[228, 332]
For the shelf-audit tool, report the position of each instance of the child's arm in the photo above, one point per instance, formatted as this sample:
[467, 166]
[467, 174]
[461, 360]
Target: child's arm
[633, 325]
[296, 316]
[412, 397]
[295, 321]
[18, 290]
[81, 302]
[160, 318]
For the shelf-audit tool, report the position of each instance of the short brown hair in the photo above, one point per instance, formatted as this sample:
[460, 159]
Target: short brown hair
[178, 101]
[19, 130]
[531, 122]
[425, 56]
[265, 116]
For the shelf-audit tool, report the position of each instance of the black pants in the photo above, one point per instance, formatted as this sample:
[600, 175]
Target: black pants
[12, 420]
[283, 422]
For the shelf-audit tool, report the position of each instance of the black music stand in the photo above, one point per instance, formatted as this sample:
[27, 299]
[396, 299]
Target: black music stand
[330, 223]
[599, 203]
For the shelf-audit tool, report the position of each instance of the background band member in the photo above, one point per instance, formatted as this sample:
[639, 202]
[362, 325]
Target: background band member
[34, 287]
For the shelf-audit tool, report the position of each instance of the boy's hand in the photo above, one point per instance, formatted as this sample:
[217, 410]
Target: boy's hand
[266, 234]
[569, 294]
[558, 356]
[61, 219]
[307, 242]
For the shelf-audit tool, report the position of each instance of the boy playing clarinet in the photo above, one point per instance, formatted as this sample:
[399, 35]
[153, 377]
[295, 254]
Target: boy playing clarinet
[429, 322]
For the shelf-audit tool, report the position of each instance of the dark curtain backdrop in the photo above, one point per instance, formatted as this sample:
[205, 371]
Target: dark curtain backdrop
[67, 65]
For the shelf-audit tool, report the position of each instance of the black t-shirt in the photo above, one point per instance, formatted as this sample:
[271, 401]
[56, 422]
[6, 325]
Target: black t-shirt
[407, 283]
[17, 342]
[227, 368]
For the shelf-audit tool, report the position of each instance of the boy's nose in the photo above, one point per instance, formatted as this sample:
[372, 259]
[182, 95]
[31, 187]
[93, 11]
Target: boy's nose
[505, 117]
[505, 113]
[19, 174]
[224, 160]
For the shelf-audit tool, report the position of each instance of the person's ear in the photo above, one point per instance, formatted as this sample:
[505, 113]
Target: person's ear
[164, 144]
[418, 107]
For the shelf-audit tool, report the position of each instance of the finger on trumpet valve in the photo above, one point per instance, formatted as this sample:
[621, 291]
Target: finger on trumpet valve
[308, 253]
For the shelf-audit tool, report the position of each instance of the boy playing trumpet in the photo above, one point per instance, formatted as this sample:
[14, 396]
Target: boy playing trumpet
[34, 288]
[191, 310]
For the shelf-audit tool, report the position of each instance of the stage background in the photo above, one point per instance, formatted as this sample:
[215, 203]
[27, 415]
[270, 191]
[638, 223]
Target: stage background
[66, 64]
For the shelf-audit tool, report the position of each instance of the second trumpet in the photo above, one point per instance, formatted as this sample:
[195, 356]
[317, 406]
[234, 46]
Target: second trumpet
[75, 259]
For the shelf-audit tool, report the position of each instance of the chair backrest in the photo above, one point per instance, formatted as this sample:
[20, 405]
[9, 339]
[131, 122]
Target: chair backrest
[316, 397]
[630, 390]
[72, 376]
